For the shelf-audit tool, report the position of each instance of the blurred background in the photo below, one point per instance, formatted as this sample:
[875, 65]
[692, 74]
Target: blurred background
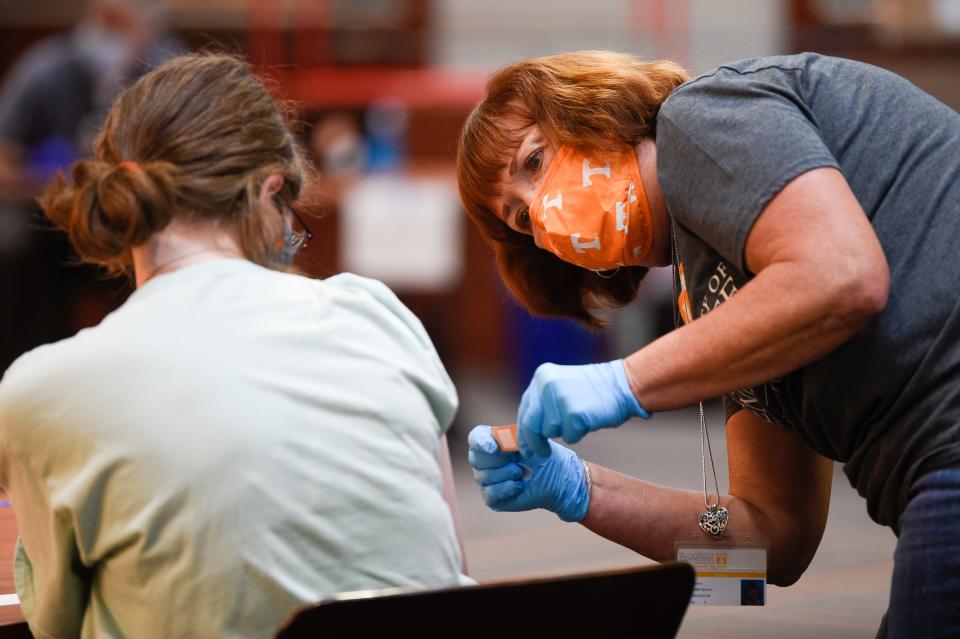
[379, 90]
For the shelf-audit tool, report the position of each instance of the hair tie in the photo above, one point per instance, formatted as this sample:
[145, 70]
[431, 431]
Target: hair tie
[130, 164]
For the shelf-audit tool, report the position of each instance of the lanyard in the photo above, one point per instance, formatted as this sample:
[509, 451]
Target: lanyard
[714, 520]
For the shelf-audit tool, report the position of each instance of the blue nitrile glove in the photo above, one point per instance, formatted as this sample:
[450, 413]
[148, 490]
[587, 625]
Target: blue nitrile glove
[571, 401]
[556, 482]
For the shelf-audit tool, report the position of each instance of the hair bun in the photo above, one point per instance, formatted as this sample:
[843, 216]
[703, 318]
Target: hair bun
[109, 208]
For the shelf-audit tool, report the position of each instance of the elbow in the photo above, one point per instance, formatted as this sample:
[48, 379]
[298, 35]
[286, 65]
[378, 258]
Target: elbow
[873, 292]
[860, 295]
[786, 571]
[789, 559]
[786, 577]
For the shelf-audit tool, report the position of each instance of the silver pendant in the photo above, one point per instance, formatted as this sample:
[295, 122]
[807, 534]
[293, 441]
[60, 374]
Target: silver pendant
[714, 521]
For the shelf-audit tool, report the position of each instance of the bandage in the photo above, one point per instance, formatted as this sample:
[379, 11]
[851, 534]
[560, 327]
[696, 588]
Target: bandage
[506, 437]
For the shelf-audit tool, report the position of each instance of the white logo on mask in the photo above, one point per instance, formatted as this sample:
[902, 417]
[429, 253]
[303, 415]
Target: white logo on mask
[622, 216]
[580, 247]
[587, 172]
[555, 203]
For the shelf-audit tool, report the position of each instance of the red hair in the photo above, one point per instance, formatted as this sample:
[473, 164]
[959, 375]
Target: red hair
[582, 99]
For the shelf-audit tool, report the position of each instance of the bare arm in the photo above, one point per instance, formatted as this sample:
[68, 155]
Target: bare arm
[779, 489]
[820, 276]
[450, 496]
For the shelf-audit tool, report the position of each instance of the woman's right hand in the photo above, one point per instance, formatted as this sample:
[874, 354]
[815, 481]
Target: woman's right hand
[571, 401]
[556, 482]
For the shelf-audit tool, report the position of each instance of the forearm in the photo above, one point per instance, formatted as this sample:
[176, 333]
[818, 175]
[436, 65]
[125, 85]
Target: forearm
[450, 496]
[781, 320]
[821, 273]
[649, 519]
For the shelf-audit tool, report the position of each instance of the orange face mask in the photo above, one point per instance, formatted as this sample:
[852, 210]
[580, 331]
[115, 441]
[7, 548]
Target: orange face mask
[593, 213]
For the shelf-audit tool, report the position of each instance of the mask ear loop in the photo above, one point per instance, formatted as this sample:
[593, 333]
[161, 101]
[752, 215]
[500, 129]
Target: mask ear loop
[608, 274]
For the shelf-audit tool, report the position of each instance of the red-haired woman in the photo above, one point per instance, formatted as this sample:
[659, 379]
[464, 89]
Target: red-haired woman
[236, 440]
[809, 207]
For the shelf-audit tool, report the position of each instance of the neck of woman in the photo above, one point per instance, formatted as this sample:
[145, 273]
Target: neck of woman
[646, 152]
[179, 245]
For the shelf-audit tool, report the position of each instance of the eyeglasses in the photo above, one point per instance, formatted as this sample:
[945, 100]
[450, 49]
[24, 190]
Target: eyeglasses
[301, 235]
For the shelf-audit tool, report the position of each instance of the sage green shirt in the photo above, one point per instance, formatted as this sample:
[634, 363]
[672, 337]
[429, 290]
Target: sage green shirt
[230, 444]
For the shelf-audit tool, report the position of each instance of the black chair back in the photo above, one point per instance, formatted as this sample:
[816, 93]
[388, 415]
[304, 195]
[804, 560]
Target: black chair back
[642, 602]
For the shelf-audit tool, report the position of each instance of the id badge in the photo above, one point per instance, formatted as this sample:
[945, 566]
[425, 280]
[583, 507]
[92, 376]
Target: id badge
[728, 574]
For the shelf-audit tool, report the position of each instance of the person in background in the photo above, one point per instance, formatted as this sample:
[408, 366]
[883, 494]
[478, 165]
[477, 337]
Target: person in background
[810, 209]
[236, 440]
[56, 95]
[52, 102]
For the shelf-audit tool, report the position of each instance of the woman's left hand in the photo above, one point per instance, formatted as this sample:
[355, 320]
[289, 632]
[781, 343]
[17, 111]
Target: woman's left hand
[571, 401]
[556, 482]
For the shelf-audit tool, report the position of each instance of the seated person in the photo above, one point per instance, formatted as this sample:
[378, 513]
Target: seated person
[236, 440]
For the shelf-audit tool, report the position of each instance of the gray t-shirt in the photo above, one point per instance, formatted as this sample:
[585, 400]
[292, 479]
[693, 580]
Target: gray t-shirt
[886, 402]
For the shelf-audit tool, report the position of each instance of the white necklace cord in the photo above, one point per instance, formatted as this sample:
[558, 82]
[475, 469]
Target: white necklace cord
[167, 264]
[714, 520]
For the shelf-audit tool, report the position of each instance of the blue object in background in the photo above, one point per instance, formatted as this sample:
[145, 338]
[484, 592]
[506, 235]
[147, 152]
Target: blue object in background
[560, 341]
[384, 154]
[386, 124]
[55, 153]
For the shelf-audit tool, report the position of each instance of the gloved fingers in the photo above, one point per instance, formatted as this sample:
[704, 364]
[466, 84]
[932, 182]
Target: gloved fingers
[481, 438]
[528, 415]
[484, 451]
[526, 401]
[510, 472]
[529, 438]
[486, 461]
[499, 496]
[575, 426]
[532, 445]
[554, 412]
